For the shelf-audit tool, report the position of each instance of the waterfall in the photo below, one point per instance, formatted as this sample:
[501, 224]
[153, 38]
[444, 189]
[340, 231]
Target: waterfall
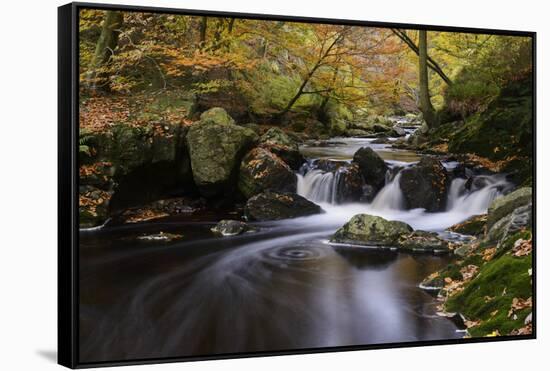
[390, 197]
[318, 186]
[455, 191]
[476, 198]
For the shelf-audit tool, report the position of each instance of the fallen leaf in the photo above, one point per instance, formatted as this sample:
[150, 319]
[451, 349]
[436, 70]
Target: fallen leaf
[519, 304]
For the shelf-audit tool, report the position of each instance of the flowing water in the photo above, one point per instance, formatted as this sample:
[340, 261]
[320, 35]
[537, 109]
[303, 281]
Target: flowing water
[283, 287]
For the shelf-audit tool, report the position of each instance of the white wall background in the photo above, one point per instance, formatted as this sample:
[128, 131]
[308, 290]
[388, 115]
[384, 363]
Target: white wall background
[28, 180]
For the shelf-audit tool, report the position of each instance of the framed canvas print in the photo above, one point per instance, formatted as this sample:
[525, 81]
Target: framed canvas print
[235, 185]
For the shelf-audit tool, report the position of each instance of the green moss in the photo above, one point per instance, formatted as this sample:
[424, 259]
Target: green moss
[507, 244]
[473, 226]
[488, 297]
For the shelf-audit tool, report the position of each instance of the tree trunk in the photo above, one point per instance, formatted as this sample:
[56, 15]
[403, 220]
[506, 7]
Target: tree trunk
[425, 102]
[203, 28]
[106, 44]
[431, 63]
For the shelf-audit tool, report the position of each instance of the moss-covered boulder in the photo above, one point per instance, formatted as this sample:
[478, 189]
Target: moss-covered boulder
[519, 219]
[216, 115]
[372, 167]
[505, 205]
[129, 147]
[425, 185]
[216, 147]
[473, 226]
[262, 170]
[370, 230]
[422, 241]
[278, 205]
[135, 164]
[284, 146]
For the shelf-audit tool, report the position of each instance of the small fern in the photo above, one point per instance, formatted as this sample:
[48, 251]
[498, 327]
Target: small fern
[83, 144]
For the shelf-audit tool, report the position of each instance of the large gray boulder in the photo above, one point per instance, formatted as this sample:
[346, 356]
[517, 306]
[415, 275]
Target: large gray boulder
[216, 147]
[261, 170]
[370, 230]
[505, 205]
[519, 219]
[372, 167]
[425, 185]
[278, 205]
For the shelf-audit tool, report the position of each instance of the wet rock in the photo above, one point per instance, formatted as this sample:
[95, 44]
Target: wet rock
[216, 146]
[283, 145]
[519, 219]
[372, 167]
[277, 205]
[262, 170]
[162, 236]
[398, 131]
[473, 226]
[369, 192]
[370, 230]
[230, 227]
[158, 209]
[93, 206]
[505, 205]
[360, 133]
[350, 183]
[328, 165]
[425, 185]
[423, 241]
[381, 128]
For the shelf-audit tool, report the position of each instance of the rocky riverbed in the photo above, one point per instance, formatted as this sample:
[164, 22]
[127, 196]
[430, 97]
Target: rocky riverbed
[347, 239]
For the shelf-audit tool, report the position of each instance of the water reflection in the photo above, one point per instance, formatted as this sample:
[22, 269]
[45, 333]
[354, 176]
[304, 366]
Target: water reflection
[363, 258]
[345, 148]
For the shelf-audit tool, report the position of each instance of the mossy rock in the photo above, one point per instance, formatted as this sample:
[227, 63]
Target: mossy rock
[360, 133]
[279, 205]
[129, 147]
[505, 205]
[216, 115]
[473, 226]
[283, 145]
[262, 170]
[423, 241]
[216, 147]
[370, 230]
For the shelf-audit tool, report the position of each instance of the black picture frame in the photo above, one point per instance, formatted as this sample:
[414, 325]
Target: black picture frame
[68, 133]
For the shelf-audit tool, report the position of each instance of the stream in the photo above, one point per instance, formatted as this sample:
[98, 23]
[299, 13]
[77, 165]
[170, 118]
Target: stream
[283, 287]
